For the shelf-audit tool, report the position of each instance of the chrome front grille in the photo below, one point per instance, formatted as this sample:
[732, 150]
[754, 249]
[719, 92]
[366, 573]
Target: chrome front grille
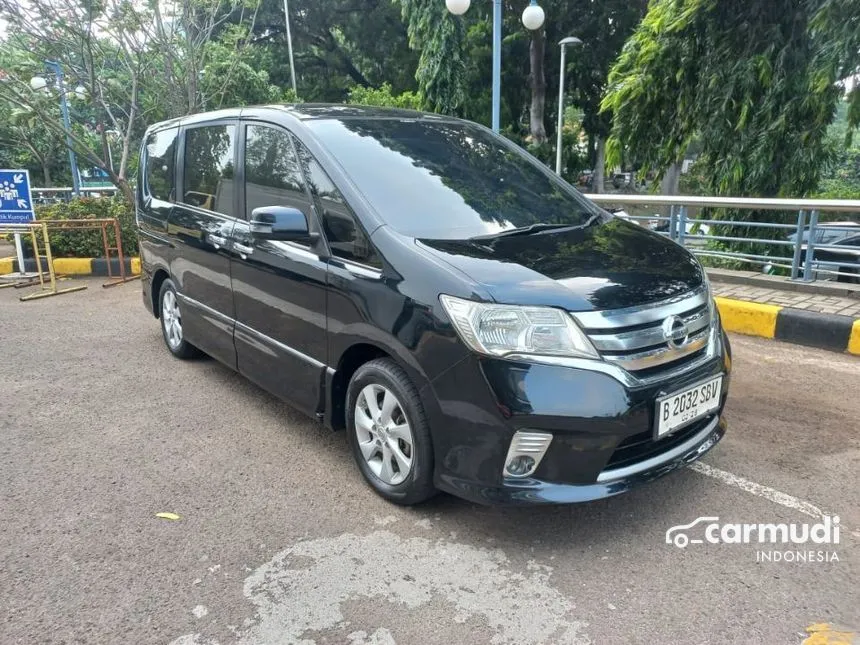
[640, 339]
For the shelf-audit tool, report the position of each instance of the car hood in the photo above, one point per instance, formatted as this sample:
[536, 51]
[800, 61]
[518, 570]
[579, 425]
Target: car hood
[609, 265]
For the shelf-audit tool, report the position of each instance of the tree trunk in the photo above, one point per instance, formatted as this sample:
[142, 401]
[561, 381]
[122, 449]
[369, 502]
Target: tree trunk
[125, 188]
[537, 129]
[46, 174]
[599, 163]
[669, 184]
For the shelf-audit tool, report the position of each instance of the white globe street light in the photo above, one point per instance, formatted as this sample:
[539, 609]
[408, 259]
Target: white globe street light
[458, 7]
[80, 93]
[38, 84]
[533, 16]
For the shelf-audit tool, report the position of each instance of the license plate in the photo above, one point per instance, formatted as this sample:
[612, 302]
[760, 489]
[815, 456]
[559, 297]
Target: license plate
[681, 408]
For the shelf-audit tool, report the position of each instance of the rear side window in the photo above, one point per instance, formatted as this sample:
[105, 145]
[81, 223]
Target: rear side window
[208, 167]
[345, 236]
[272, 173]
[160, 160]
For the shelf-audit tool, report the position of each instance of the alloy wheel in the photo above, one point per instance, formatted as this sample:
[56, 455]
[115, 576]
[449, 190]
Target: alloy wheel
[383, 433]
[171, 319]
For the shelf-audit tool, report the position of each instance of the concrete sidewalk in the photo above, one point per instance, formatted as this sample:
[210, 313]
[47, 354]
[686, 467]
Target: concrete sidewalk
[819, 303]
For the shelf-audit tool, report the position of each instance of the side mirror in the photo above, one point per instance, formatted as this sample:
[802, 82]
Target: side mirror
[280, 223]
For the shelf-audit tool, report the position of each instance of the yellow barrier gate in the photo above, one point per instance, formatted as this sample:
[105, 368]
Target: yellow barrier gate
[103, 225]
[45, 291]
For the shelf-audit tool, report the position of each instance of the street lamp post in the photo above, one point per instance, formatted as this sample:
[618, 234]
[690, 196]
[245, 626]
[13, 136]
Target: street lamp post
[290, 48]
[533, 18]
[40, 84]
[109, 135]
[563, 43]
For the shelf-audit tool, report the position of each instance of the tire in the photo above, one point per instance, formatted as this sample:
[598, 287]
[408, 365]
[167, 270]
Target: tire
[404, 477]
[170, 317]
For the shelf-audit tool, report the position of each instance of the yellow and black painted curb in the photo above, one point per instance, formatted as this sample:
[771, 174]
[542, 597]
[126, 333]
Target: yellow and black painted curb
[74, 266]
[826, 331]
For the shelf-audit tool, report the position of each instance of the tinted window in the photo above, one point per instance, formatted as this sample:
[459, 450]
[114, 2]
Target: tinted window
[160, 160]
[272, 173]
[208, 167]
[345, 236]
[435, 179]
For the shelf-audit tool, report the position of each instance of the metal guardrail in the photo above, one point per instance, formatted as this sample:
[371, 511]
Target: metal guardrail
[817, 249]
[64, 194]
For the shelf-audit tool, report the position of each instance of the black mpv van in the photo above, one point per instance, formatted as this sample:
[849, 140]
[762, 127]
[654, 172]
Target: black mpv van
[474, 323]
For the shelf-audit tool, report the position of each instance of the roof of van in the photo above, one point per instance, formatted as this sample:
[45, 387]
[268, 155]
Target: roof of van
[309, 112]
[339, 111]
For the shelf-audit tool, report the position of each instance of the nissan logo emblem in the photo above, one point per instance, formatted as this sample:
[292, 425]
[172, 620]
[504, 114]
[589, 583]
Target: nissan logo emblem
[675, 331]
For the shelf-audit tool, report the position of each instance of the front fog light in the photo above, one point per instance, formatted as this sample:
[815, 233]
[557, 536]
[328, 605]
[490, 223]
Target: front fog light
[525, 453]
[521, 466]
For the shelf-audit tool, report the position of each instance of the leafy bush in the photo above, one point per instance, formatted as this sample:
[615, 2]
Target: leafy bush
[87, 243]
[383, 97]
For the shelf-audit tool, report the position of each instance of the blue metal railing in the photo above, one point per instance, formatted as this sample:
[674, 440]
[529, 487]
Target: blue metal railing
[808, 249]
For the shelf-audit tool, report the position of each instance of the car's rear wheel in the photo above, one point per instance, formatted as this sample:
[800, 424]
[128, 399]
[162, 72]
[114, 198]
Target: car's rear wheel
[171, 323]
[389, 434]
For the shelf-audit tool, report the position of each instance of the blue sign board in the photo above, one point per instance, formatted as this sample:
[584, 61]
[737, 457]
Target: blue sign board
[16, 206]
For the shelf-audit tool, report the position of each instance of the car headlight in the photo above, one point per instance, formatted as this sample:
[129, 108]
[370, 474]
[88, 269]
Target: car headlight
[503, 330]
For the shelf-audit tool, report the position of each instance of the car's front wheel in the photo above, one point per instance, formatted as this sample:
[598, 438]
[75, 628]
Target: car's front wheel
[389, 434]
[171, 323]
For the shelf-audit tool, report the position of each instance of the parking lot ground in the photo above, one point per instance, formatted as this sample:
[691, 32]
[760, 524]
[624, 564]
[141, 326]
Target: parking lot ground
[279, 541]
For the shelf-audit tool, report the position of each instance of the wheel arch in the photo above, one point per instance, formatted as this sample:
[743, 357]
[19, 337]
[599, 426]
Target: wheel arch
[352, 358]
[158, 277]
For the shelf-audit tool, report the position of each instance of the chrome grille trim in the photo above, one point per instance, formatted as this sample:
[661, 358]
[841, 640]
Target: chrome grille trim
[628, 340]
[659, 356]
[631, 316]
[646, 346]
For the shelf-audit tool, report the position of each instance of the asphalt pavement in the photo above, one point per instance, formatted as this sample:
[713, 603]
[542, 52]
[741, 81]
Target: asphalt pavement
[279, 541]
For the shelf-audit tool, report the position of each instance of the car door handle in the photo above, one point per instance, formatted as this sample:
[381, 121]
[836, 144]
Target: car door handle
[243, 250]
[217, 241]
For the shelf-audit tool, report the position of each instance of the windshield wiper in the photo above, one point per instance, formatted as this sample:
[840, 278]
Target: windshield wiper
[533, 229]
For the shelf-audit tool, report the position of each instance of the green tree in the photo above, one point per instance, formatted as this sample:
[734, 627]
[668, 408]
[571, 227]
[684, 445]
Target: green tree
[337, 44]
[383, 96]
[758, 85]
[439, 36]
[26, 143]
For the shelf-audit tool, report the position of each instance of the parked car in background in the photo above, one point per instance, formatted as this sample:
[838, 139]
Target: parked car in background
[847, 259]
[829, 232]
[622, 179]
[472, 322]
[585, 179]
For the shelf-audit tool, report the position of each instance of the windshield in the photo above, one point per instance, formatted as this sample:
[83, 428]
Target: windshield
[443, 180]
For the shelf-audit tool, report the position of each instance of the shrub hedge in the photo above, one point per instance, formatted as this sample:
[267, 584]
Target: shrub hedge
[88, 243]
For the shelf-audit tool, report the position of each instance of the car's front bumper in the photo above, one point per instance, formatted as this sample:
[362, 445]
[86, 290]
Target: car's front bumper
[536, 491]
[601, 429]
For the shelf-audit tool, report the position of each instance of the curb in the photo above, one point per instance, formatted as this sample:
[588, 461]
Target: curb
[74, 266]
[825, 331]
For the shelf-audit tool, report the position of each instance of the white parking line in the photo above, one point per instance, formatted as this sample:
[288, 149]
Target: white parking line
[768, 493]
